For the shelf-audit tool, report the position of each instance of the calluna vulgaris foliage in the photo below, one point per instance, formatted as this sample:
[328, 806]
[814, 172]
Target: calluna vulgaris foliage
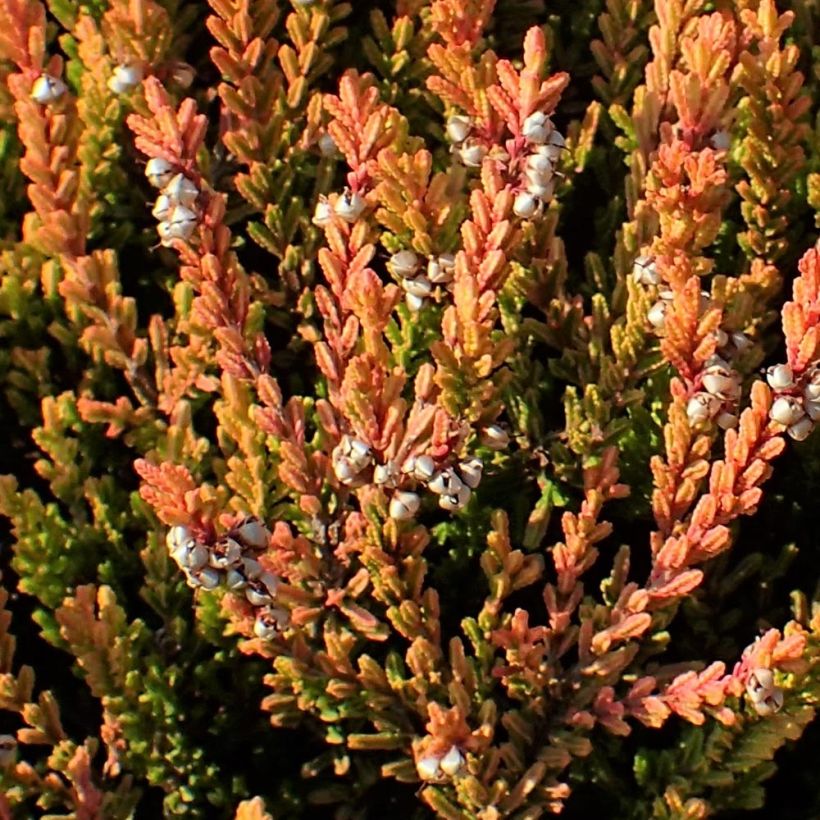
[315, 316]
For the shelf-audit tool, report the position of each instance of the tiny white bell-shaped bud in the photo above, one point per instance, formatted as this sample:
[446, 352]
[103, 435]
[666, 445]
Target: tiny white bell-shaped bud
[257, 592]
[780, 377]
[802, 429]
[125, 77]
[181, 190]
[541, 166]
[471, 471]
[786, 410]
[251, 568]
[404, 506]
[177, 537]
[225, 553]
[159, 172]
[726, 420]
[526, 205]
[235, 580]
[327, 146]
[192, 557]
[741, 341]
[472, 153]
[720, 140]
[253, 533]
[721, 338]
[458, 128]
[440, 269]
[207, 578]
[428, 768]
[181, 223]
[452, 762]
[414, 303]
[812, 409]
[657, 314]
[266, 625]
[555, 145]
[349, 206]
[424, 468]
[47, 89]
[403, 264]
[701, 407]
[537, 128]
[162, 208]
[452, 502]
[323, 214]
[345, 470]
[358, 452]
[645, 271]
[722, 382]
[446, 482]
[495, 437]
[420, 286]
[543, 191]
[385, 474]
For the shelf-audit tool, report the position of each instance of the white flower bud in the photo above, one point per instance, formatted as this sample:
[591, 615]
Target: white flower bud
[452, 762]
[786, 410]
[327, 145]
[657, 314]
[470, 471]
[266, 625]
[404, 506]
[721, 382]
[801, 430]
[345, 470]
[452, 502]
[409, 465]
[726, 420]
[207, 578]
[181, 190]
[701, 407]
[759, 682]
[458, 128]
[446, 483]
[414, 303]
[125, 77]
[349, 206]
[424, 468]
[741, 341]
[235, 580]
[540, 165]
[812, 409]
[8, 751]
[253, 533]
[543, 192]
[770, 704]
[721, 338]
[780, 377]
[537, 128]
[720, 140]
[403, 264]
[251, 568]
[225, 553]
[192, 557]
[555, 145]
[495, 437]
[162, 208]
[472, 153]
[181, 223]
[526, 205]
[812, 390]
[257, 592]
[177, 537]
[323, 215]
[385, 474]
[428, 768]
[159, 172]
[645, 271]
[358, 452]
[420, 286]
[440, 270]
[47, 89]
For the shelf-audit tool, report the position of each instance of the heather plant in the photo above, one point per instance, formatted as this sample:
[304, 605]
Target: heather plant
[409, 408]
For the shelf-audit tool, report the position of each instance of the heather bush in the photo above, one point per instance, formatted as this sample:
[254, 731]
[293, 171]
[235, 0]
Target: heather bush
[409, 409]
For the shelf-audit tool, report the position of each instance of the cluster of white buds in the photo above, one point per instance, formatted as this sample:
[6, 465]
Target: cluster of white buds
[467, 148]
[349, 207]
[434, 767]
[657, 313]
[350, 458]
[453, 486]
[47, 89]
[418, 286]
[798, 405]
[765, 695]
[721, 387]
[175, 208]
[546, 144]
[125, 77]
[231, 562]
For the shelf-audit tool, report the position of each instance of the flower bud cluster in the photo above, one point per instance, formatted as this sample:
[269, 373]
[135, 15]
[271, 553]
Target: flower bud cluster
[231, 562]
[797, 405]
[545, 144]
[175, 208]
[419, 278]
[765, 695]
[437, 767]
[47, 89]
[718, 397]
